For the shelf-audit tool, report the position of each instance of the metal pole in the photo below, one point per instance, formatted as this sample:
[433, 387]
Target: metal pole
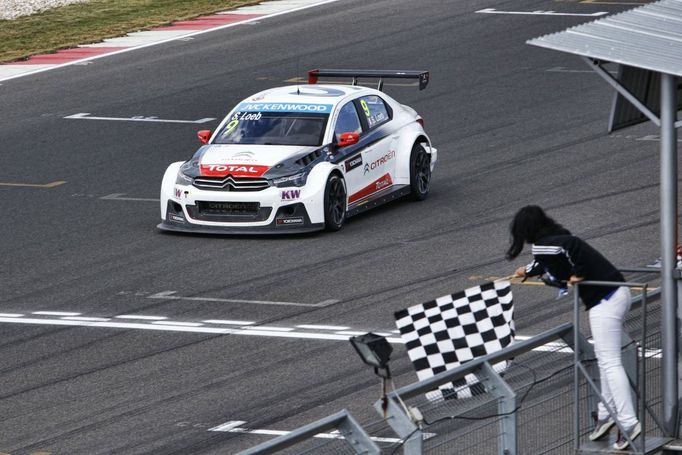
[642, 371]
[576, 373]
[669, 374]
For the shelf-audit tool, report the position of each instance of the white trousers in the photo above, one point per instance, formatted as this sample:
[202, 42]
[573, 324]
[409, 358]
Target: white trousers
[606, 322]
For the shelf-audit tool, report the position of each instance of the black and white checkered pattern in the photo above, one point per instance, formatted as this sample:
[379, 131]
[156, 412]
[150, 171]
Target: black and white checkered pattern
[444, 333]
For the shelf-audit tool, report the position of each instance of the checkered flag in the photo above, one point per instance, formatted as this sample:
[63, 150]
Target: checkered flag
[444, 333]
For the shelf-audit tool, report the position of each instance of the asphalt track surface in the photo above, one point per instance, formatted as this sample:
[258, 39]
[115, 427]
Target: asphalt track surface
[514, 125]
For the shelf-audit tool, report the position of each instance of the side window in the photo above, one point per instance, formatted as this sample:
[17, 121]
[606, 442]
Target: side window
[348, 121]
[375, 110]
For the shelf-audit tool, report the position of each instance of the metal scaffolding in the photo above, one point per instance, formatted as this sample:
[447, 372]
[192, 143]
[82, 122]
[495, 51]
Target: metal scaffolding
[648, 38]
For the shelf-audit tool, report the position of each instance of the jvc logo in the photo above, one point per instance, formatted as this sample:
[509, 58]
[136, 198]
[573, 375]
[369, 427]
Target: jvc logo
[288, 195]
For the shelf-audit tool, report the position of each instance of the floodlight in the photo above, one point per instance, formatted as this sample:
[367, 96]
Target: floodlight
[374, 350]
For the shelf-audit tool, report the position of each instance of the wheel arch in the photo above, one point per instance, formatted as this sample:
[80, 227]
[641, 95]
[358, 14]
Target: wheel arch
[167, 186]
[404, 147]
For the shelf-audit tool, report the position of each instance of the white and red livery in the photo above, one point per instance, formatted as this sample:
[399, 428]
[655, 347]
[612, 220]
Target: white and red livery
[301, 158]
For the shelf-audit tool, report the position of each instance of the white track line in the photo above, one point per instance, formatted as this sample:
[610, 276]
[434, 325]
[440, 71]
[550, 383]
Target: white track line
[168, 295]
[86, 116]
[227, 322]
[179, 324]
[55, 313]
[120, 197]
[540, 13]
[322, 327]
[86, 319]
[233, 426]
[266, 331]
[274, 329]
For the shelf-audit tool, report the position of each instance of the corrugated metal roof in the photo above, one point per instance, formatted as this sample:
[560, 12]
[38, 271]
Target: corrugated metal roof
[648, 37]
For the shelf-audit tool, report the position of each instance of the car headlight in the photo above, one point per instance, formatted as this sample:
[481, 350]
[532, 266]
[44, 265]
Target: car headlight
[291, 180]
[187, 172]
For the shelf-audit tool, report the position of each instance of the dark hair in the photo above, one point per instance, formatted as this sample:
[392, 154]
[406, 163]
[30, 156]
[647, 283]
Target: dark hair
[528, 226]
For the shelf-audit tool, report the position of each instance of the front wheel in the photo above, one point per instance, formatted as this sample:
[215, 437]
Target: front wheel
[420, 173]
[334, 203]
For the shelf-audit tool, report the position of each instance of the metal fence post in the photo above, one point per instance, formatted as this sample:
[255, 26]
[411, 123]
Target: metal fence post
[495, 385]
[576, 372]
[401, 423]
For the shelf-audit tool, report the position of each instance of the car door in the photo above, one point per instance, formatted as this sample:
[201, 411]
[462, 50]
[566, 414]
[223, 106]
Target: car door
[379, 156]
[352, 157]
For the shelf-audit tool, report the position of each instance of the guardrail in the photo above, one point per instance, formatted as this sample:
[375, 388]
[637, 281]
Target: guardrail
[351, 433]
[507, 410]
[635, 355]
[409, 421]
[507, 413]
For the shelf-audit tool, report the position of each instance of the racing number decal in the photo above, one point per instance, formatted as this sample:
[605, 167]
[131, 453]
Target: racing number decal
[365, 108]
[230, 126]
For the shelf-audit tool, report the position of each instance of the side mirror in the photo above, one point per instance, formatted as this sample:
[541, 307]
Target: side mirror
[204, 136]
[346, 139]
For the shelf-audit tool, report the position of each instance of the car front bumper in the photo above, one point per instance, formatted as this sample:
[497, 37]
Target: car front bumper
[271, 211]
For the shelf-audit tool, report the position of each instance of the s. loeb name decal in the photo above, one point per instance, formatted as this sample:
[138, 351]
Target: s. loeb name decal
[236, 170]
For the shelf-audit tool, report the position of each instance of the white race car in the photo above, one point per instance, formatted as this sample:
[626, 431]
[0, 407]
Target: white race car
[301, 158]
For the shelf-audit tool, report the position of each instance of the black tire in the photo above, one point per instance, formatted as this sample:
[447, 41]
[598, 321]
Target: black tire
[420, 173]
[334, 203]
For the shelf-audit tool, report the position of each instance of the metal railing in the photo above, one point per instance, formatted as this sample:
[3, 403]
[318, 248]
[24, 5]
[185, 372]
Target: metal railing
[515, 410]
[499, 400]
[634, 356]
[351, 436]
[511, 408]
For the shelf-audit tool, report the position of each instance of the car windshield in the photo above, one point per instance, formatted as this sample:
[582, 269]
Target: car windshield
[273, 128]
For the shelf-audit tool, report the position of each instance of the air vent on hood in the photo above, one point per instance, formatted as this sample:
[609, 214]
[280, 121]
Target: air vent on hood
[309, 158]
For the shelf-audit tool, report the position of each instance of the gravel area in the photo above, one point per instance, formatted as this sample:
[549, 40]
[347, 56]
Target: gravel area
[11, 9]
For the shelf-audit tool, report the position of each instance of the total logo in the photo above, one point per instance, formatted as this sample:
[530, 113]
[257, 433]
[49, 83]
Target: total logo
[379, 161]
[289, 195]
[381, 184]
[237, 170]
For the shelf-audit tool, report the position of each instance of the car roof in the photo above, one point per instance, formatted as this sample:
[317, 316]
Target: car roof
[308, 94]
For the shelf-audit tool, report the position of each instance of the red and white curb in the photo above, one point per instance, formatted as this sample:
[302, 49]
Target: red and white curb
[137, 40]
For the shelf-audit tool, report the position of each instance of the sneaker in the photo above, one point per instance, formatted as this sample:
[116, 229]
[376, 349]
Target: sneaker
[622, 442]
[601, 428]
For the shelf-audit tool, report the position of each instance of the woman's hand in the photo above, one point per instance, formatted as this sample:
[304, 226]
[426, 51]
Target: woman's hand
[575, 279]
[520, 272]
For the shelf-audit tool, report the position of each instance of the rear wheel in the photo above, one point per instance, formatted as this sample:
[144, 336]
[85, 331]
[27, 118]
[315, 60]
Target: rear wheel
[420, 173]
[334, 203]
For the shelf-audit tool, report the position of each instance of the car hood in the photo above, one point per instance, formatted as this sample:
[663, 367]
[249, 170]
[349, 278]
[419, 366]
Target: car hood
[239, 160]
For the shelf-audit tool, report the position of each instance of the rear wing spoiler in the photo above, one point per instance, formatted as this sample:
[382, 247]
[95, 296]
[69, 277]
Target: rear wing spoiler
[422, 76]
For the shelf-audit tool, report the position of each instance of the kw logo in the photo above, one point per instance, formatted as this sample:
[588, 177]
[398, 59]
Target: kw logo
[288, 195]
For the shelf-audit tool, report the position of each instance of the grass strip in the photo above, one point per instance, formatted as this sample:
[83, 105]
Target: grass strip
[83, 23]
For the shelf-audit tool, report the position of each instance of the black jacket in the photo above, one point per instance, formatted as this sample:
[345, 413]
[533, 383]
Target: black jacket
[566, 255]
